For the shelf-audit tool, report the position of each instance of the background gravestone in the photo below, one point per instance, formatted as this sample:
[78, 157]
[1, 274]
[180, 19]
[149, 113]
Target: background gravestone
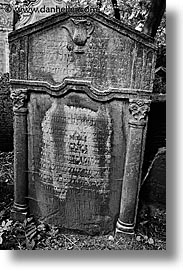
[6, 115]
[6, 112]
[81, 86]
[154, 177]
[35, 10]
[153, 190]
[6, 25]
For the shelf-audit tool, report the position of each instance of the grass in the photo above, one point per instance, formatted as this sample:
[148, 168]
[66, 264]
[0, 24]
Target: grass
[150, 233]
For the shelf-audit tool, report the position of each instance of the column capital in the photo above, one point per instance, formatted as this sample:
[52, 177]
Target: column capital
[19, 97]
[139, 109]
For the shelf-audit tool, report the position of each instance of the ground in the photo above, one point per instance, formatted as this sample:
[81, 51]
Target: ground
[150, 232]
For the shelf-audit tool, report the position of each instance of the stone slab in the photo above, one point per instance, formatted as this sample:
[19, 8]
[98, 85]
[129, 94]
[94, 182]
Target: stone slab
[76, 160]
[81, 87]
[83, 48]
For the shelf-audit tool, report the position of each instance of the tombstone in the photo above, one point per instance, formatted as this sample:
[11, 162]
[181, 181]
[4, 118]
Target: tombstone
[35, 10]
[6, 113]
[6, 26]
[81, 88]
[153, 189]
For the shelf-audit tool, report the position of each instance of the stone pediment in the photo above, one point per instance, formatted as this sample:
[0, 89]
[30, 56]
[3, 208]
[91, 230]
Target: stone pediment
[87, 47]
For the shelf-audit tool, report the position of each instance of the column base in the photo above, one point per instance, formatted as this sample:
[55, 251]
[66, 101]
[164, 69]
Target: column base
[19, 212]
[124, 228]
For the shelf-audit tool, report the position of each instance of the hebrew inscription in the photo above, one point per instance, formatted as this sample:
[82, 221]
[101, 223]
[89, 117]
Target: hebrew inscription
[76, 151]
[53, 58]
[81, 49]
[81, 88]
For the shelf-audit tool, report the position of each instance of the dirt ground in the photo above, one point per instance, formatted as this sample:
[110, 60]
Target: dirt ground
[150, 233]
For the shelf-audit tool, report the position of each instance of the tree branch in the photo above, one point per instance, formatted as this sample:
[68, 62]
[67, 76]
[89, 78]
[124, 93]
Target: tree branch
[155, 15]
[116, 9]
[16, 18]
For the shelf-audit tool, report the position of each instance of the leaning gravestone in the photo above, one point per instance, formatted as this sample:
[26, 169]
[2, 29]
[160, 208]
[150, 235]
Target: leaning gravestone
[81, 87]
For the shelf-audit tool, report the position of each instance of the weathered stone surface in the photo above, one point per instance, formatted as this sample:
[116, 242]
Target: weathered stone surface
[156, 133]
[3, 57]
[6, 25]
[58, 63]
[154, 186]
[35, 10]
[19, 97]
[88, 83]
[132, 173]
[6, 115]
[84, 48]
[77, 160]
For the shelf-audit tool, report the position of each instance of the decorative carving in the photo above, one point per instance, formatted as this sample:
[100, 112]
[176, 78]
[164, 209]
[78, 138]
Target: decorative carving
[83, 30]
[139, 109]
[19, 97]
[80, 31]
[5, 16]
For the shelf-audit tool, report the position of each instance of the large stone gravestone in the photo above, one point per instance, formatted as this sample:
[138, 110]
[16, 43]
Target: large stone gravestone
[81, 86]
[6, 113]
[6, 26]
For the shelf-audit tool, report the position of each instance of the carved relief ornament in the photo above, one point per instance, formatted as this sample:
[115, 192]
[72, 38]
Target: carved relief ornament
[79, 31]
[19, 97]
[139, 109]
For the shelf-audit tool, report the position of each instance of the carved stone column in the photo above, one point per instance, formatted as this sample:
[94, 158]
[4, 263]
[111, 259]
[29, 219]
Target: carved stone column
[19, 97]
[138, 110]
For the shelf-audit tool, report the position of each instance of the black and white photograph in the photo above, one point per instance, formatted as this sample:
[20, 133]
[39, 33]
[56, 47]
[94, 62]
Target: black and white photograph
[83, 125]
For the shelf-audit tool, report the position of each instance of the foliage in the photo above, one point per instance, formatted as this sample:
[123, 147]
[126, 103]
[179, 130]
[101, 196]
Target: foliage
[4, 228]
[32, 235]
